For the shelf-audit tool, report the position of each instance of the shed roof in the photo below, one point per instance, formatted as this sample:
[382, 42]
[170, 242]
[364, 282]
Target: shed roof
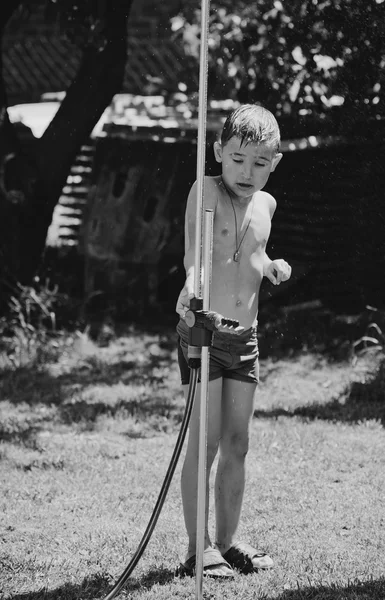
[35, 65]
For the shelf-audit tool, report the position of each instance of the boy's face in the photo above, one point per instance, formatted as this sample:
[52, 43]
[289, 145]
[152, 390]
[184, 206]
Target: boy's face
[245, 167]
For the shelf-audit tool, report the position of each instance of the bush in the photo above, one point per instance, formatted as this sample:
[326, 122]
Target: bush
[28, 330]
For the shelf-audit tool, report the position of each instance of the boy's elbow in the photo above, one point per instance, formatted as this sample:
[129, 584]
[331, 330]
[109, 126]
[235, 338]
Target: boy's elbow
[188, 262]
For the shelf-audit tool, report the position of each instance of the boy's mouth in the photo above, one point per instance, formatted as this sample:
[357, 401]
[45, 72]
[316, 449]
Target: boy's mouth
[245, 186]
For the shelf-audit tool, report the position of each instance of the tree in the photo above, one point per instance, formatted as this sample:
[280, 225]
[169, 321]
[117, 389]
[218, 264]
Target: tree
[314, 60]
[31, 186]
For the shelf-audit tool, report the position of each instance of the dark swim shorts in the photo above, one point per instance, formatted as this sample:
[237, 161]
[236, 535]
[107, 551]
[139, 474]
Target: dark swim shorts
[231, 356]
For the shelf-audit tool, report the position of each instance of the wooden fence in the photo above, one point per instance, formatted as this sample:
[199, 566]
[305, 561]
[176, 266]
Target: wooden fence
[329, 222]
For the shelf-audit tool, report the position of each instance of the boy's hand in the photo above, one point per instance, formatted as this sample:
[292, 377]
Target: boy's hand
[183, 302]
[277, 271]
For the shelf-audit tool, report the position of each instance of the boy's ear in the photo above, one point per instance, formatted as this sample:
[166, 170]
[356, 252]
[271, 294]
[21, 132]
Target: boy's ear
[218, 151]
[275, 161]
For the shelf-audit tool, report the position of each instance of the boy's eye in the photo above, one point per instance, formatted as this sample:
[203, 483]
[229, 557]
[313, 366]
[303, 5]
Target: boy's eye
[237, 160]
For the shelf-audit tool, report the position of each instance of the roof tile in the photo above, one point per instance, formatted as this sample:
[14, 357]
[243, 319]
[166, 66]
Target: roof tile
[35, 65]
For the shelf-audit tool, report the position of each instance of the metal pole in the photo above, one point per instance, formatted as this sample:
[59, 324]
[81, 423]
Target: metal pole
[201, 144]
[207, 247]
[202, 451]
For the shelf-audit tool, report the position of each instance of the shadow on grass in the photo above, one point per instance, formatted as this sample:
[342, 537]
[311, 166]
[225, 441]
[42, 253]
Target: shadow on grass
[365, 590]
[361, 401]
[317, 330]
[83, 393]
[373, 589]
[26, 436]
[148, 580]
[98, 587]
[91, 587]
[32, 385]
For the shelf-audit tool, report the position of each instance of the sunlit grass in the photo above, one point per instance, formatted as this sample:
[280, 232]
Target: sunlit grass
[85, 443]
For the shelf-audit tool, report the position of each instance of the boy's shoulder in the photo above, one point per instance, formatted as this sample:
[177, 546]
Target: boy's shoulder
[266, 199]
[212, 182]
[212, 190]
[211, 193]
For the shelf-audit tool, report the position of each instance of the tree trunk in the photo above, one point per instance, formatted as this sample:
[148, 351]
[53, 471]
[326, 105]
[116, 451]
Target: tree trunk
[11, 195]
[100, 76]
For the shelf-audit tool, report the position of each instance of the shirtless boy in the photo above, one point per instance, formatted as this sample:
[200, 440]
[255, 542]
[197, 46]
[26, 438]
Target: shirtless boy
[248, 152]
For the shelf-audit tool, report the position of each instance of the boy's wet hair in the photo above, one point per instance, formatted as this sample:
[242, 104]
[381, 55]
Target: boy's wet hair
[254, 124]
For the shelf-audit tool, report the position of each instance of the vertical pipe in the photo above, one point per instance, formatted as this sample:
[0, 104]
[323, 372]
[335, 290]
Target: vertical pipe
[201, 158]
[201, 144]
[207, 256]
[202, 449]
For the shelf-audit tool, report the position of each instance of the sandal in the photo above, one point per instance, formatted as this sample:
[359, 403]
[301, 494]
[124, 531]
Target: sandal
[212, 561]
[246, 559]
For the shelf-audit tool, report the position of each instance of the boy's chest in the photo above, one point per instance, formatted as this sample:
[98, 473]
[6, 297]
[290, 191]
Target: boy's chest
[251, 230]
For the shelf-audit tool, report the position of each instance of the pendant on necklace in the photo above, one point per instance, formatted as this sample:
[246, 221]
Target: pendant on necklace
[236, 256]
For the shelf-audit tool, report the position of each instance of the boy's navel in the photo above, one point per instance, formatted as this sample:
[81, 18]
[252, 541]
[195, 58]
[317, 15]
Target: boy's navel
[225, 231]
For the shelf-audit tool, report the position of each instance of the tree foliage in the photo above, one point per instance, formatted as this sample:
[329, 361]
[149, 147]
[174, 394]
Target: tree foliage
[27, 200]
[308, 58]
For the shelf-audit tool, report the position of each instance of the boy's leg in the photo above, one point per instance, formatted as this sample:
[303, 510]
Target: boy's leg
[237, 412]
[190, 467]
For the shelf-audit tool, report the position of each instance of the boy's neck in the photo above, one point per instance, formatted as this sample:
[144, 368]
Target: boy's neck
[239, 200]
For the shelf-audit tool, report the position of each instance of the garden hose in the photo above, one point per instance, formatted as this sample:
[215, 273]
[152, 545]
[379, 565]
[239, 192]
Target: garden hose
[163, 492]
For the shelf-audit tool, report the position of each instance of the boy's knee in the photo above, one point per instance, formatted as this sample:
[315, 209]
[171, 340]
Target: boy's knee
[237, 445]
[212, 449]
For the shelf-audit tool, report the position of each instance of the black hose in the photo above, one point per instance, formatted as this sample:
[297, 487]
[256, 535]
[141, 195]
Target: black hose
[163, 492]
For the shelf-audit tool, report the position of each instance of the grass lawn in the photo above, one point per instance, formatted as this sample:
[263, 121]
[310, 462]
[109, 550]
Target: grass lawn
[85, 441]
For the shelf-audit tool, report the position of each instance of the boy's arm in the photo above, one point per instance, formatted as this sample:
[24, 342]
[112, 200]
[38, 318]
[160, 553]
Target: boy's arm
[210, 196]
[275, 270]
[187, 292]
[189, 240]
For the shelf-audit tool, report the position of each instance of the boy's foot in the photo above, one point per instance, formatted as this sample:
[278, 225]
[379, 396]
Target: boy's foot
[246, 559]
[214, 565]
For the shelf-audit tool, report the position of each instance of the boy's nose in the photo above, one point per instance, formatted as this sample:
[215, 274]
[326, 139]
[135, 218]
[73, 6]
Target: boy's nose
[246, 171]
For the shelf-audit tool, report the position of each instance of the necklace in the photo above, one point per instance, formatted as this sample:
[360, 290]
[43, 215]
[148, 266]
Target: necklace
[237, 253]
